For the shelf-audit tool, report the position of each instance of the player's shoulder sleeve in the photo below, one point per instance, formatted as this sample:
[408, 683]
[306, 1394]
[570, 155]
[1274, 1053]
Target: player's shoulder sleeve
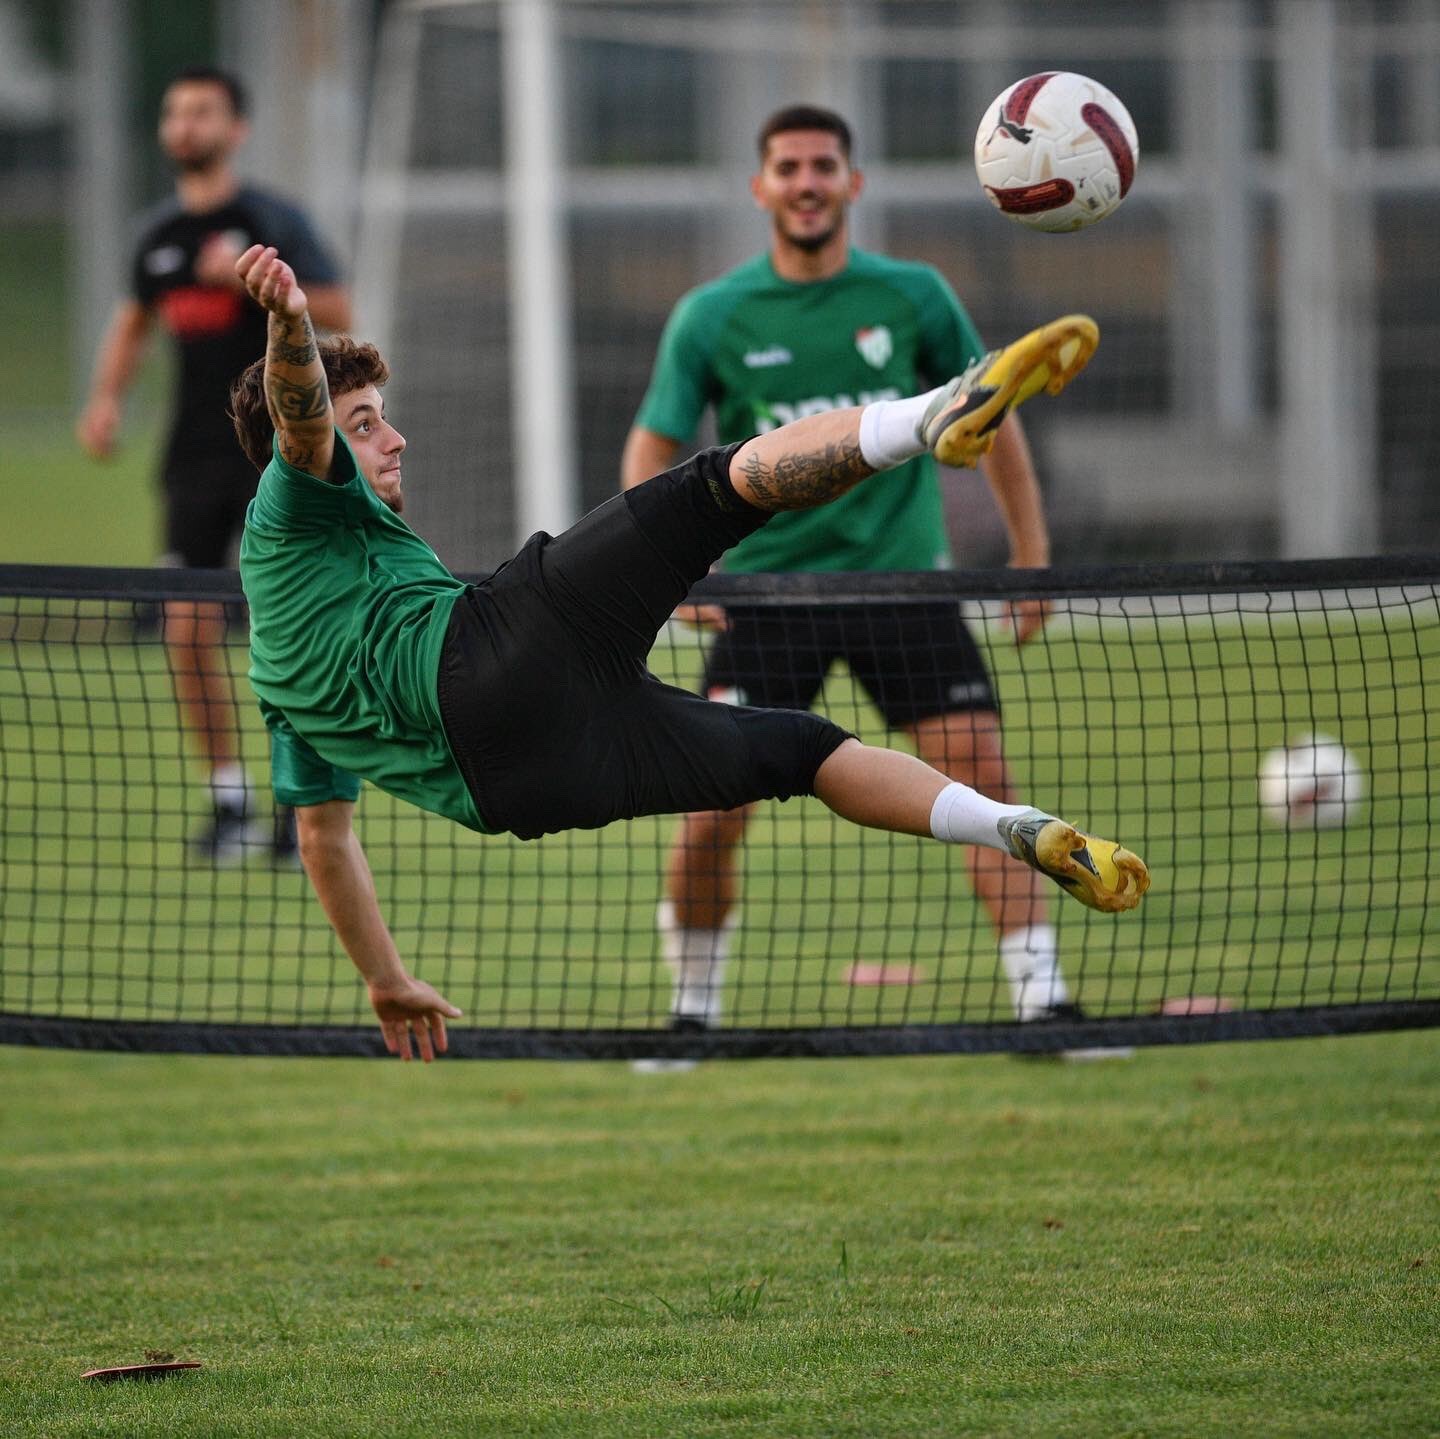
[289, 501]
[285, 225]
[948, 337]
[683, 380]
[949, 340]
[298, 775]
[145, 234]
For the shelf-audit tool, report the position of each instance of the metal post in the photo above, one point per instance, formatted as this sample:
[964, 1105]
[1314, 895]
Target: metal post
[300, 59]
[739, 95]
[1214, 359]
[100, 181]
[540, 348]
[1328, 480]
[384, 178]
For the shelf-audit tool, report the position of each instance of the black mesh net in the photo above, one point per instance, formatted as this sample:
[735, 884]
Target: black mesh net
[1146, 710]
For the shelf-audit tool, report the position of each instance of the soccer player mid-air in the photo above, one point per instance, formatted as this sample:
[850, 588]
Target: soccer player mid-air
[523, 703]
[813, 323]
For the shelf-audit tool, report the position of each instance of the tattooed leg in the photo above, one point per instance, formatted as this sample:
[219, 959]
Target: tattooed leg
[801, 465]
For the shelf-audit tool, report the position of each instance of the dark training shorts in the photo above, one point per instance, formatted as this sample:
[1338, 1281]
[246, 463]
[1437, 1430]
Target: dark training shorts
[205, 502]
[914, 660]
[550, 711]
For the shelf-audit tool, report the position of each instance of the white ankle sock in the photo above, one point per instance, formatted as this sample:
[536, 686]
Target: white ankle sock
[962, 815]
[890, 431]
[229, 786]
[697, 961]
[1028, 957]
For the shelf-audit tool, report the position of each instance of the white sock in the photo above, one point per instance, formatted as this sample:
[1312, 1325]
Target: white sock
[229, 786]
[890, 430]
[1028, 957]
[697, 961]
[962, 815]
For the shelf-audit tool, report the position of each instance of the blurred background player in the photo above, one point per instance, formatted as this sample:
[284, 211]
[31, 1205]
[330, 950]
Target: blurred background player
[815, 324]
[183, 276]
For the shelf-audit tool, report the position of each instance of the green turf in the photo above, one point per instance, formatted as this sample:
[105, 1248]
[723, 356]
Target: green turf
[1234, 1240]
[64, 508]
[75, 511]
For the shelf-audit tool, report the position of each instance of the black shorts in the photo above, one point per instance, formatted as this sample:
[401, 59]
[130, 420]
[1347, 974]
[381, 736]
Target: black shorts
[914, 660]
[205, 500]
[549, 709]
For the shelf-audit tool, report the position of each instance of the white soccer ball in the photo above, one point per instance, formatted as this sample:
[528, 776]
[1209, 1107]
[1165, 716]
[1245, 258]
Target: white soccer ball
[1311, 784]
[1056, 151]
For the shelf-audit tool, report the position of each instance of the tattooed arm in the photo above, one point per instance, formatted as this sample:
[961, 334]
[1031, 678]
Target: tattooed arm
[295, 390]
[806, 463]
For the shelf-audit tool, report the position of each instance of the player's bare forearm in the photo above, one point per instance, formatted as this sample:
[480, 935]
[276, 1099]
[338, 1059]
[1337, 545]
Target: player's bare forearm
[340, 876]
[121, 352]
[803, 464]
[122, 349]
[1010, 473]
[296, 393]
[646, 454]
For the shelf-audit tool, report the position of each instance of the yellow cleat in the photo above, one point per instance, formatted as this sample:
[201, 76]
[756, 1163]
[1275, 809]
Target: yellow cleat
[1098, 872]
[959, 426]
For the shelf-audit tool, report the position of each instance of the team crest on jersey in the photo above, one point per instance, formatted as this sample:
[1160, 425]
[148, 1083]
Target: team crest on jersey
[875, 345]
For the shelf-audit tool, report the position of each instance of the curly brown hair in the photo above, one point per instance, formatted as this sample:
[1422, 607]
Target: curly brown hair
[348, 366]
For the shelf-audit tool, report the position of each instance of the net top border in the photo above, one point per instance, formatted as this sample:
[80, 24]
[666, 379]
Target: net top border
[1072, 581]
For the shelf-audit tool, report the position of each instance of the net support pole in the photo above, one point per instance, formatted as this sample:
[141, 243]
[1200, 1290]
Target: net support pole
[99, 194]
[543, 391]
[1328, 472]
[384, 176]
[1213, 353]
[306, 116]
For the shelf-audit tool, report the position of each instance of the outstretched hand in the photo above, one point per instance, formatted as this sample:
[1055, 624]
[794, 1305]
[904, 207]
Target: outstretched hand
[270, 282]
[407, 1006]
[1025, 617]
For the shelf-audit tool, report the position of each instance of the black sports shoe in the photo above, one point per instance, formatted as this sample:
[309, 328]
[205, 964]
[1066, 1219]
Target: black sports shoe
[679, 1024]
[284, 842]
[1069, 1013]
[229, 838]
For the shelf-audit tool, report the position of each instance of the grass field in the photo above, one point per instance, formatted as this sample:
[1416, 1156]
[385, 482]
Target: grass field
[1233, 1240]
[1222, 1241]
[68, 509]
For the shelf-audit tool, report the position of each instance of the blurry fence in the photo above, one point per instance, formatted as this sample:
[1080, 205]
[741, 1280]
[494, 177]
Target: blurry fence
[1267, 295]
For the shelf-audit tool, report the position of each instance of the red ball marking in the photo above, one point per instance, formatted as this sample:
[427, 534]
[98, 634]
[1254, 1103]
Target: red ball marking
[1103, 123]
[1033, 199]
[1022, 97]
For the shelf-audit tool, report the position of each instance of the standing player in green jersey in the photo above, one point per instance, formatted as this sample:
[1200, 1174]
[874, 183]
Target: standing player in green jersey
[813, 325]
[523, 703]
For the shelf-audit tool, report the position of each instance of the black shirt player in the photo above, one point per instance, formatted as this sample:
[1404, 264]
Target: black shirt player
[183, 280]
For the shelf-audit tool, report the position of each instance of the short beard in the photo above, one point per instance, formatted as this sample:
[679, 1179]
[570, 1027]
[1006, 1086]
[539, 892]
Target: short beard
[199, 164]
[811, 244]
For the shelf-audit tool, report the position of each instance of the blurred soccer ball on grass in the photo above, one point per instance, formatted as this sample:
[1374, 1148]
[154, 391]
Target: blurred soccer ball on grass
[1311, 784]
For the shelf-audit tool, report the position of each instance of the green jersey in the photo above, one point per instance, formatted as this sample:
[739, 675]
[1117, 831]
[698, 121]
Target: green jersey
[764, 351]
[348, 612]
